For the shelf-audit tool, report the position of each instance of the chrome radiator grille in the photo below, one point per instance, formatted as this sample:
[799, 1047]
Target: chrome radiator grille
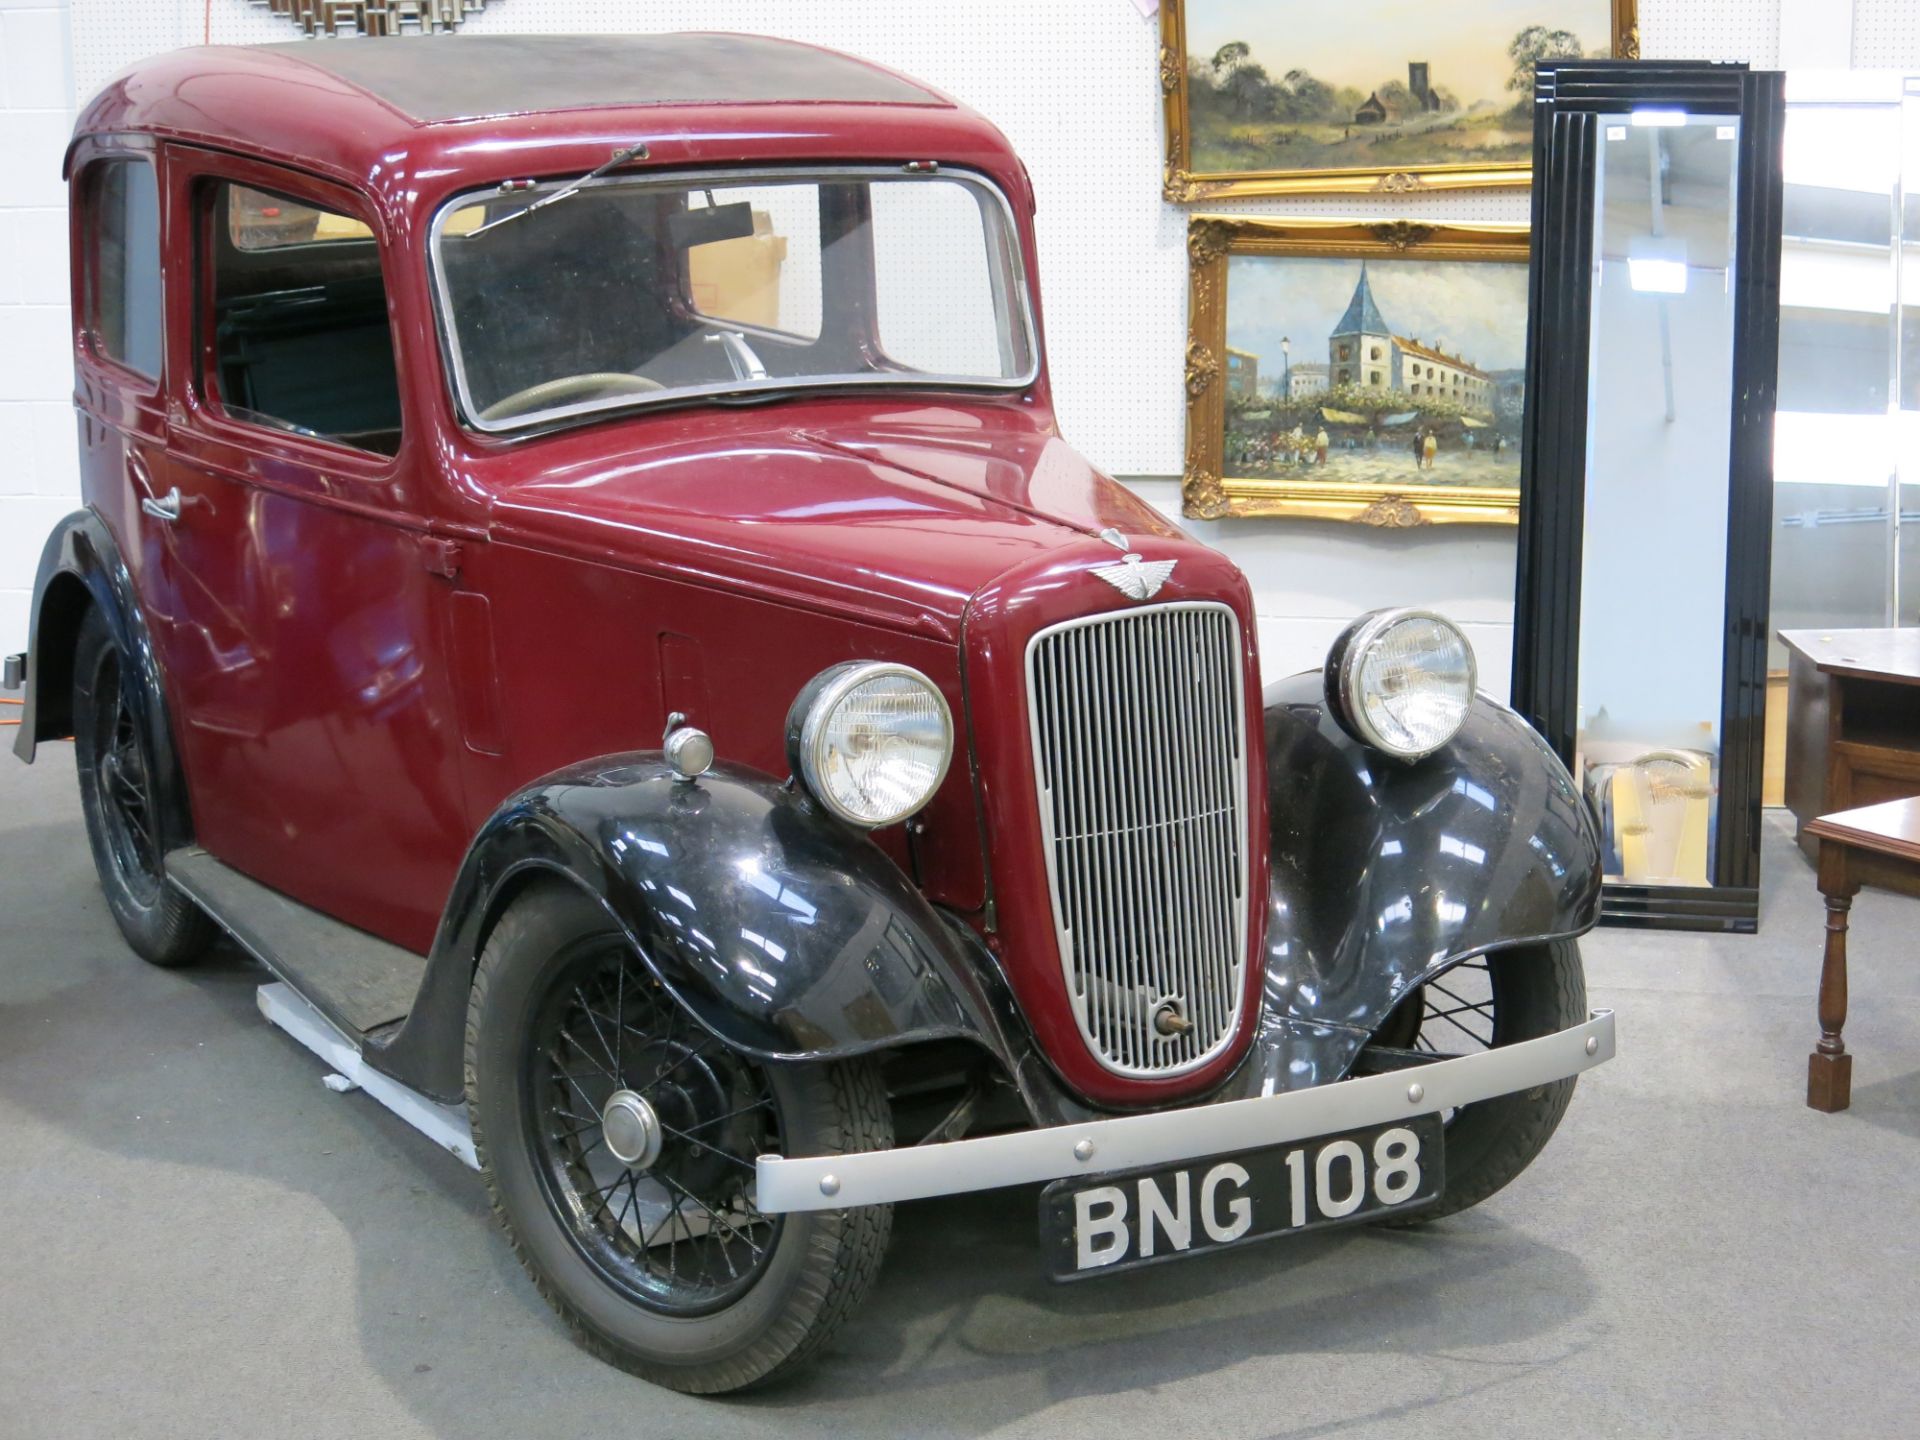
[1140, 757]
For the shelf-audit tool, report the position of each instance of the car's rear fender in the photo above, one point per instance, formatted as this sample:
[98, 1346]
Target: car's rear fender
[81, 570]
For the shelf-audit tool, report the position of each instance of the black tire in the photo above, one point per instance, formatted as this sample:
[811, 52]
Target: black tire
[1531, 991]
[114, 755]
[810, 1270]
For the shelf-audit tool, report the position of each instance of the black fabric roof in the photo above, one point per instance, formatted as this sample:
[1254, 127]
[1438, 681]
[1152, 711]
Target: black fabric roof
[460, 77]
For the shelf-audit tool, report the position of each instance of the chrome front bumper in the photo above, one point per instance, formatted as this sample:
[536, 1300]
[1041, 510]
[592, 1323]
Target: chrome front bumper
[1128, 1142]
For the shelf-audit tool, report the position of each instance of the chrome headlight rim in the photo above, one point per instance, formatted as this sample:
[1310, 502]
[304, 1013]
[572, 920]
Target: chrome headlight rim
[815, 704]
[1343, 676]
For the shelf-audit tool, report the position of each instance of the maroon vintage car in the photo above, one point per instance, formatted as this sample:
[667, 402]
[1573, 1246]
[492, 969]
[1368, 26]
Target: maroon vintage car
[579, 576]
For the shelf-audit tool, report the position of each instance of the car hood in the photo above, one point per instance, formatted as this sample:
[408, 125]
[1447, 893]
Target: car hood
[898, 519]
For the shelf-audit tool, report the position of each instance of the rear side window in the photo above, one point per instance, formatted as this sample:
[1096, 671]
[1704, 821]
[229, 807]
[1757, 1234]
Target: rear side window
[301, 337]
[124, 294]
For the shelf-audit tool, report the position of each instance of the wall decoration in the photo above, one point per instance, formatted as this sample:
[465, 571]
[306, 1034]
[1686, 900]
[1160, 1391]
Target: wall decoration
[1389, 96]
[373, 17]
[1370, 372]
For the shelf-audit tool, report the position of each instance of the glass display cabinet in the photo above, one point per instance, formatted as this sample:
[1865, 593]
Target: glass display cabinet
[1846, 533]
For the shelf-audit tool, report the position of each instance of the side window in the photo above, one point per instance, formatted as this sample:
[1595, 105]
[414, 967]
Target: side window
[123, 291]
[301, 340]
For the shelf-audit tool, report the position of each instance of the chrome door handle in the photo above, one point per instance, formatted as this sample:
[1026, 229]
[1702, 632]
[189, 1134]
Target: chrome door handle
[166, 508]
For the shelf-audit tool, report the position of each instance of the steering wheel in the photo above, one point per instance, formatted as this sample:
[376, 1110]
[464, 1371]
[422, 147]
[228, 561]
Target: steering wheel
[563, 388]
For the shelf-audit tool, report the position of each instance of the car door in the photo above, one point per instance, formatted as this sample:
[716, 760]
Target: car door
[305, 641]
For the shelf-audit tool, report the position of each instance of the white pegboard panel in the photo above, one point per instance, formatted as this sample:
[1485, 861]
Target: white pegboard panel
[1746, 30]
[109, 35]
[1074, 84]
[1886, 34]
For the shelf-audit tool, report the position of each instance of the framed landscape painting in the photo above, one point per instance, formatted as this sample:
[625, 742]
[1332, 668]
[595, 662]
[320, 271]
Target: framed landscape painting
[1365, 95]
[1369, 372]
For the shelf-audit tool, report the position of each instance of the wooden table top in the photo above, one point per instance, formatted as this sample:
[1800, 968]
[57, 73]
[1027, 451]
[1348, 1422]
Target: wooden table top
[1890, 828]
[1875, 654]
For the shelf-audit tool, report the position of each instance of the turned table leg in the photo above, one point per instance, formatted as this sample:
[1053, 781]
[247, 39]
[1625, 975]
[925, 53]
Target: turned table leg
[1830, 1067]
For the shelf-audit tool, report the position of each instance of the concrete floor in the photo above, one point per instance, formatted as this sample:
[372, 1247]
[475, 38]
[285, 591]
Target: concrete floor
[197, 1239]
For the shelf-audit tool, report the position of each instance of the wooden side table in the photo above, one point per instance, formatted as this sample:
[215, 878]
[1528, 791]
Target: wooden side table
[1874, 845]
[1853, 725]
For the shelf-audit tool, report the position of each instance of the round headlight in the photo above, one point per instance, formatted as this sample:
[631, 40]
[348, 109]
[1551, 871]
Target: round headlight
[872, 740]
[1402, 681]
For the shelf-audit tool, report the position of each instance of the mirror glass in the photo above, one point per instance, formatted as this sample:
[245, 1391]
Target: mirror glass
[1653, 578]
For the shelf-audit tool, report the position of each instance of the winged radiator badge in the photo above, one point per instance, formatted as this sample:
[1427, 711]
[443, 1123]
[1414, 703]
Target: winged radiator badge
[1133, 577]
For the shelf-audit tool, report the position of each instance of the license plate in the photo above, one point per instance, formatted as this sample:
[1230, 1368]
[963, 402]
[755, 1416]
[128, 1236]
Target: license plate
[1101, 1224]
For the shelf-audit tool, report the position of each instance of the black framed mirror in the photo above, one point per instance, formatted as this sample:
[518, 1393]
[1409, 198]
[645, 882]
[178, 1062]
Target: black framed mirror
[1640, 619]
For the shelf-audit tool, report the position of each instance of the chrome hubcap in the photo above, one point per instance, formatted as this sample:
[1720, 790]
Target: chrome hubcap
[632, 1129]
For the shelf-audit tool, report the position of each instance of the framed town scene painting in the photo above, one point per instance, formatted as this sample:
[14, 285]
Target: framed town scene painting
[1371, 372]
[1364, 95]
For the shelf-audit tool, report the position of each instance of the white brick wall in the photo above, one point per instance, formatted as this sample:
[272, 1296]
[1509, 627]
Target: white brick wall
[39, 479]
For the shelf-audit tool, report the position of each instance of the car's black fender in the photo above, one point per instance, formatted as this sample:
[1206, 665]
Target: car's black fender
[81, 568]
[791, 937]
[780, 930]
[1383, 873]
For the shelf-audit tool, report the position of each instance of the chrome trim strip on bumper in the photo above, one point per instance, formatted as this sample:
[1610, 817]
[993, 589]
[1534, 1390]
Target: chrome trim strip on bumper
[877, 1177]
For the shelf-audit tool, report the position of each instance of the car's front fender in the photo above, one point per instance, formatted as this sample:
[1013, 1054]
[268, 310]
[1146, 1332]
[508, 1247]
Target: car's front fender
[784, 933]
[1384, 873]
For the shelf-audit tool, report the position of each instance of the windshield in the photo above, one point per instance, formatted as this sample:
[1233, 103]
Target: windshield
[638, 291]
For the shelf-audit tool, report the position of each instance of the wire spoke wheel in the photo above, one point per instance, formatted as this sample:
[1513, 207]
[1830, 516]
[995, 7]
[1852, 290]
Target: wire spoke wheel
[618, 1139]
[121, 748]
[125, 783]
[1481, 1004]
[1459, 1015]
[646, 1130]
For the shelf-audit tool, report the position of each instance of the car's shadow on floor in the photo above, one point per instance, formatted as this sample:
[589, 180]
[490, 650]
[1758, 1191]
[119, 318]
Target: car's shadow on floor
[963, 1302]
[962, 1333]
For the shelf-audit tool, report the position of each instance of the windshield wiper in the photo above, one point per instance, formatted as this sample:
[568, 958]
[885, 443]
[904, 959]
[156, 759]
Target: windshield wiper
[740, 357]
[635, 151]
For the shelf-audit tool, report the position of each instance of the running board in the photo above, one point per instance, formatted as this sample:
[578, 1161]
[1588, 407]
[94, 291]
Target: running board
[445, 1125]
[358, 981]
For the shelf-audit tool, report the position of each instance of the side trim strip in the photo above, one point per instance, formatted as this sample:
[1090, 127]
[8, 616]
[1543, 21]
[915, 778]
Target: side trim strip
[829, 1182]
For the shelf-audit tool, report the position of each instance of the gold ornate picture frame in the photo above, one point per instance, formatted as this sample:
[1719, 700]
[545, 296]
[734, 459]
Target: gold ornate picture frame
[1392, 112]
[1366, 421]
